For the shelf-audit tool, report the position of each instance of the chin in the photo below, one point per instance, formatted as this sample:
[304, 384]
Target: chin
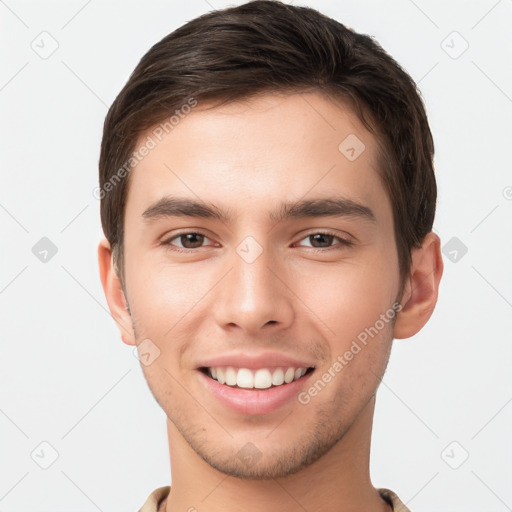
[264, 460]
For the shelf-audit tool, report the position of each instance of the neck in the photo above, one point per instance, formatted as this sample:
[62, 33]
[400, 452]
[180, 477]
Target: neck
[338, 481]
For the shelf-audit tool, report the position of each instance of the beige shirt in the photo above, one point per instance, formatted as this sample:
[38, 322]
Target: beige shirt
[156, 497]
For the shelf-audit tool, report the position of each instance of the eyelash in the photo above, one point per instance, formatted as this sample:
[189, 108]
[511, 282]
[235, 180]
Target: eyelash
[343, 241]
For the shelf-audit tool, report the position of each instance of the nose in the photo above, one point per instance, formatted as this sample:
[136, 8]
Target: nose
[254, 295]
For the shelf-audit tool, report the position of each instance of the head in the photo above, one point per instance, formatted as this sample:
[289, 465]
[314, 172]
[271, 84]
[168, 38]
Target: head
[262, 114]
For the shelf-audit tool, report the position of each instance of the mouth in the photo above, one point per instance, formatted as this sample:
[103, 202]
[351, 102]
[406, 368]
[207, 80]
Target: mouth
[255, 384]
[256, 378]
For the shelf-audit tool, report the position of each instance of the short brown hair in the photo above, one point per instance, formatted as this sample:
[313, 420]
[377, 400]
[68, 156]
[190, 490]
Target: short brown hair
[268, 46]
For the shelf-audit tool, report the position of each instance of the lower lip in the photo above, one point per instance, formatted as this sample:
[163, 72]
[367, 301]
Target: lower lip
[254, 401]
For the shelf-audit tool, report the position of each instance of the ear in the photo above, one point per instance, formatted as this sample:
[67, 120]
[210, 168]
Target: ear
[114, 293]
[419, 297]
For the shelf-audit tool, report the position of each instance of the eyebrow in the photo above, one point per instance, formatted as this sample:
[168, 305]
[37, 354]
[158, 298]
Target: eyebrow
[170, 206]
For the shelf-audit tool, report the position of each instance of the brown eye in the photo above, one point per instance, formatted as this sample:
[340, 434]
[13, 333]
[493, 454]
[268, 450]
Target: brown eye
[191, 240]
[323, 239]
[184, 242]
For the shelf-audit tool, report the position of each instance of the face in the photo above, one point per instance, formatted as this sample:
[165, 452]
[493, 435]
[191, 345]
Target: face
[281, 280]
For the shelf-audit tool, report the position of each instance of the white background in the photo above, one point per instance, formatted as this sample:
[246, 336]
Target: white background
[66, 377]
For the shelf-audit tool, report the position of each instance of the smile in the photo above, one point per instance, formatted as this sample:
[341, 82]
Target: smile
[260, 378]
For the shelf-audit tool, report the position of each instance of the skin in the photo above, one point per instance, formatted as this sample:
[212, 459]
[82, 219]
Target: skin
[304, 296]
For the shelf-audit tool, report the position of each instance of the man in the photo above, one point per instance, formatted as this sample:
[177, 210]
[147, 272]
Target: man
[267, 197]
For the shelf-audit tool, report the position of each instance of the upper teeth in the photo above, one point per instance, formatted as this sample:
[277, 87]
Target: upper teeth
[260, 379]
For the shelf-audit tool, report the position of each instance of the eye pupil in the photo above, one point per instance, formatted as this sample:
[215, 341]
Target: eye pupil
[322, 236]
[189, 237]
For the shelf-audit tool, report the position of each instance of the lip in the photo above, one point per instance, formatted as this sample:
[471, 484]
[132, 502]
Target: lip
[254, 401]
[253, 362]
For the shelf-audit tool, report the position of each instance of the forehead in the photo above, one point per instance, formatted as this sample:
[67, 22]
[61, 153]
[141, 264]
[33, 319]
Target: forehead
[259, 151]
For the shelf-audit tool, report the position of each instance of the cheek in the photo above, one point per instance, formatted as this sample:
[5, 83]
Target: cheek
[161, 295]
[346, 299]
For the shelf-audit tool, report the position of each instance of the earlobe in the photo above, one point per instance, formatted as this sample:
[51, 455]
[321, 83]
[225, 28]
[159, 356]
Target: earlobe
[114, 293]
[420, 293]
